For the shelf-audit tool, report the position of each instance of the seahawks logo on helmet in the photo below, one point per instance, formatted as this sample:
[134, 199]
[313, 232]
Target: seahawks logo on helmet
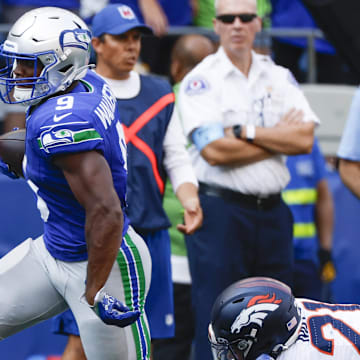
[258, 308]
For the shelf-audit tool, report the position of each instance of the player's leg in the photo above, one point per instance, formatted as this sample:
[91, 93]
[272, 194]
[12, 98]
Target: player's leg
[129, 282]
[27, 294]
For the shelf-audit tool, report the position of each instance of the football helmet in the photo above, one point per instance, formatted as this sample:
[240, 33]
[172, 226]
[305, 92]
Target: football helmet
[54, 44]
[253, 317]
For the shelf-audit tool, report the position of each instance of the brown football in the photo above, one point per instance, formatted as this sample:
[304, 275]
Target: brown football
[12, 149]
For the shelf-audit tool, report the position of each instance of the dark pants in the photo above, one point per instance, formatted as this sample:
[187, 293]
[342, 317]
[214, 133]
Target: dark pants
[178, 347]
[235, 241]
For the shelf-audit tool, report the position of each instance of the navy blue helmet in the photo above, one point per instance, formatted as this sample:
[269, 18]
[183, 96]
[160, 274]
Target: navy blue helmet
[252, 317]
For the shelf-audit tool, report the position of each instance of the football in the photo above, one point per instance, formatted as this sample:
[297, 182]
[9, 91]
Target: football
[12, 149]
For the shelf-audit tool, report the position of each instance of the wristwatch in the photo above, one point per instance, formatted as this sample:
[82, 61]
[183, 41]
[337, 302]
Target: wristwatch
[237, 130]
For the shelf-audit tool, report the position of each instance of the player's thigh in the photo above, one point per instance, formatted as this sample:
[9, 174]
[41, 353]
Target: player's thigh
[28, 296]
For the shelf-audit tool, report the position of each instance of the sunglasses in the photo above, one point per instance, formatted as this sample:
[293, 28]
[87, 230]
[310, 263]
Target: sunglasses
[230, 18]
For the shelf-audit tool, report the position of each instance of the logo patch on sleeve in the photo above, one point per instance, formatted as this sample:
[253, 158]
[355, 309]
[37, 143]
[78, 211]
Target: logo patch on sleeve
[53, 137]
[197, 86]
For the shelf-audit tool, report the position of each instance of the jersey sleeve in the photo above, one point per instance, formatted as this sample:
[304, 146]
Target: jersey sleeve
[70, 135]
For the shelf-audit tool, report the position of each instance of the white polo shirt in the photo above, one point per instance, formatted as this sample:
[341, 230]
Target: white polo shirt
[215, 91]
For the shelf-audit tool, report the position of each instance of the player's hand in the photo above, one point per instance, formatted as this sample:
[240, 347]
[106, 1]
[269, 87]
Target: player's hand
[327, 267]
[4, 169]
[113, 312]
[193, 217]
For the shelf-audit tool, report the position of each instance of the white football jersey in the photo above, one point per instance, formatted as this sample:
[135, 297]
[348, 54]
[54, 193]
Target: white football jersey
[328, 331]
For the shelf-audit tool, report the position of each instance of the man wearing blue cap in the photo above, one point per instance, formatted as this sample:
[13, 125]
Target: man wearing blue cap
[156, 149]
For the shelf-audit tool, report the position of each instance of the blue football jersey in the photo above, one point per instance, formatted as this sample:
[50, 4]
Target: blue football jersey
[85, 119]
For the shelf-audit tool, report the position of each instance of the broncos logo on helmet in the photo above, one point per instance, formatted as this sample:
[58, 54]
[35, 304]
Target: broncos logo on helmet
[258, 309]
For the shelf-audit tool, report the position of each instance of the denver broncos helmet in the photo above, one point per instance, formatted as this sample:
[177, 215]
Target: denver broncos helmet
[252, 317]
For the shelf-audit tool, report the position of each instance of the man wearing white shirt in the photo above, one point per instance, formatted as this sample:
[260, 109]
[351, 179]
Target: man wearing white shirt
[243, 114]
[156, 149]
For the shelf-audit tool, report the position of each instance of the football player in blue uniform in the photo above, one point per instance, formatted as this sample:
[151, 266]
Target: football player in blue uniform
[89, 258]
[156, 151]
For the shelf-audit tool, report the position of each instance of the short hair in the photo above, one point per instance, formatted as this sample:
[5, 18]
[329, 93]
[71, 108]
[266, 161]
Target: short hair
[217, 2]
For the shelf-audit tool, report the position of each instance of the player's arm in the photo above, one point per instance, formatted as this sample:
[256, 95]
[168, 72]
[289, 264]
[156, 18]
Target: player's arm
[350, 175]
[89, 177]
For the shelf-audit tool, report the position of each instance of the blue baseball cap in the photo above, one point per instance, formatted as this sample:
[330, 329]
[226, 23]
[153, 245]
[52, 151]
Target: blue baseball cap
[116, 19]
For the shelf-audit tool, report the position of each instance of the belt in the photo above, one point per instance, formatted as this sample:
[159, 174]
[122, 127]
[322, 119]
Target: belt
[253, 201]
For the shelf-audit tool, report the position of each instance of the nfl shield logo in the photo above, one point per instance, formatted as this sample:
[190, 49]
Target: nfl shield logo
[126, 12]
